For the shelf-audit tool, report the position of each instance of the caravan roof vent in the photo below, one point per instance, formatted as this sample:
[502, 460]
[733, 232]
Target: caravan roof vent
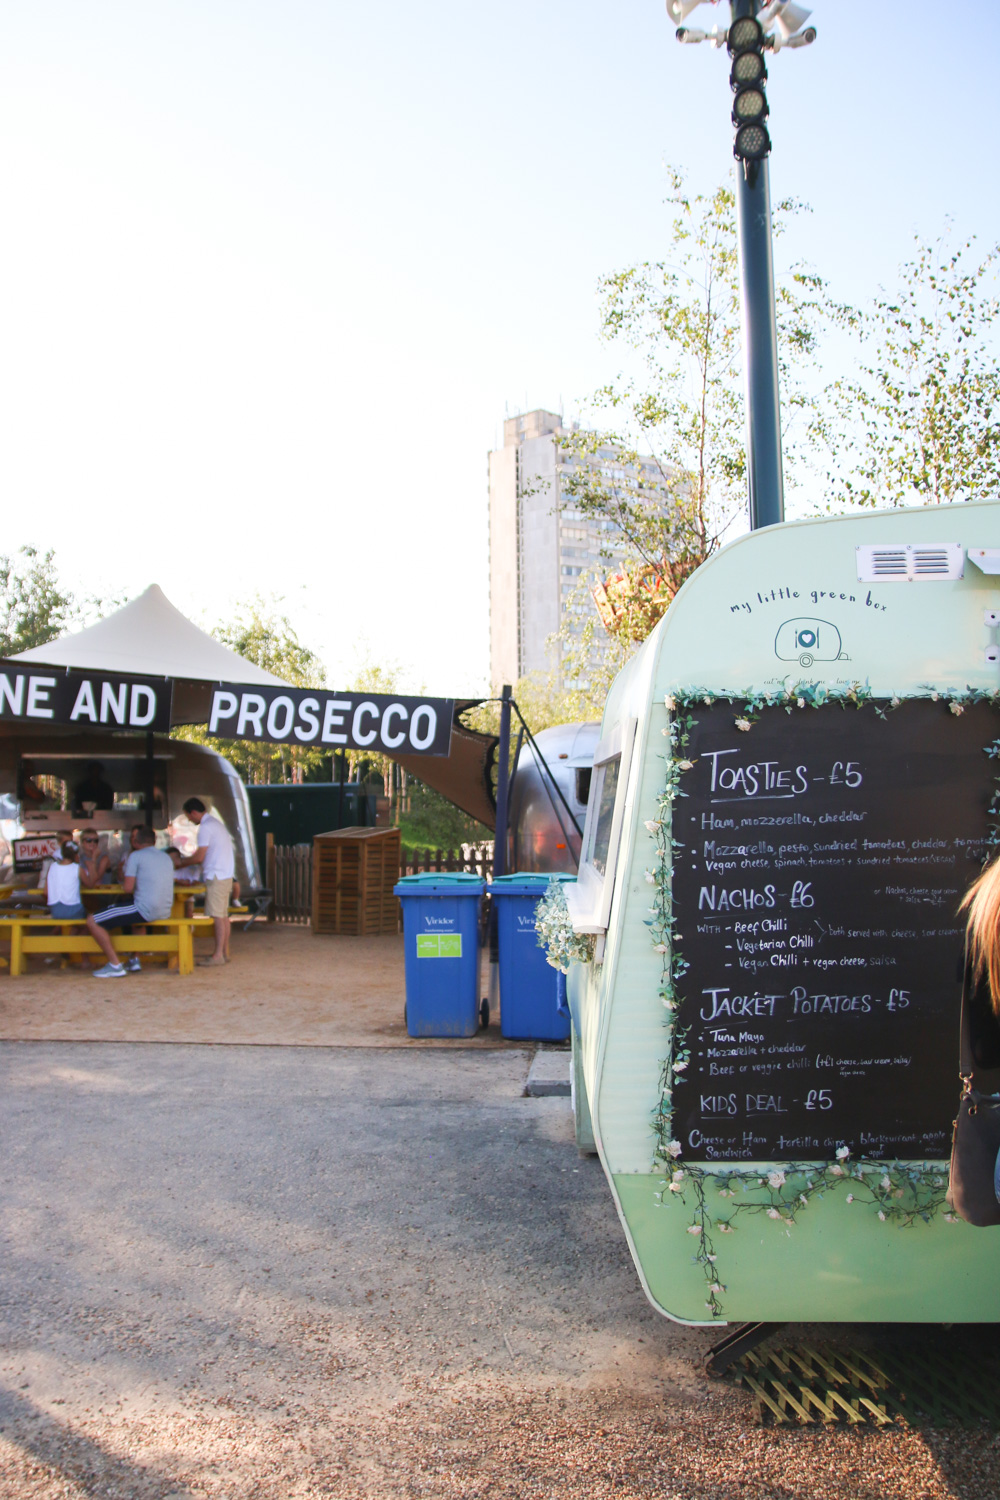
[908, 564]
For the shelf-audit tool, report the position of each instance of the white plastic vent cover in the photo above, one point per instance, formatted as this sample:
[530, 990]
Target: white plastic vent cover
[910, 564]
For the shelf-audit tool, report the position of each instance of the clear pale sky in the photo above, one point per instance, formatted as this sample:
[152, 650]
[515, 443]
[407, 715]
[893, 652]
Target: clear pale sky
[271, 274]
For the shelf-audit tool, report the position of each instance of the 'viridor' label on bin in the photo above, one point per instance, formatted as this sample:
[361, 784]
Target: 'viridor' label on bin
[439, 945]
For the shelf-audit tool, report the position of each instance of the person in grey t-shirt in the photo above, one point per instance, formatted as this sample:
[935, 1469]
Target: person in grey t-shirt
[151, 872]
[148, 880]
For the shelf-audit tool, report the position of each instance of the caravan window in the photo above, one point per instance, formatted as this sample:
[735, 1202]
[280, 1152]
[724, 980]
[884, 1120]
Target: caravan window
[589, 897]
[607, 786]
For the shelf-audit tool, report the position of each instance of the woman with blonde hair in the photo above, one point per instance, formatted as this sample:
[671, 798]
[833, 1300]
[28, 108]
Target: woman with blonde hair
[982, 951]
[975, 1152]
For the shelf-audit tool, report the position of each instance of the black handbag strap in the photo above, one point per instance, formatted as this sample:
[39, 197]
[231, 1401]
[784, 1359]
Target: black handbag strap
[966, 1062]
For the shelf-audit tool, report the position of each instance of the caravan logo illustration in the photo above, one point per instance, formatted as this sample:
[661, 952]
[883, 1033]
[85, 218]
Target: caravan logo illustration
[807, 640]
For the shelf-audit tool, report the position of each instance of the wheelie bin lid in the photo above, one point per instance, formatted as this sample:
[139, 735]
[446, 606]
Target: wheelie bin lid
[440, 883]
[526, 884]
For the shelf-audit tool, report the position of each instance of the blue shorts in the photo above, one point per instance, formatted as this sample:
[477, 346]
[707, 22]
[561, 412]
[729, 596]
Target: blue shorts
[63, 911]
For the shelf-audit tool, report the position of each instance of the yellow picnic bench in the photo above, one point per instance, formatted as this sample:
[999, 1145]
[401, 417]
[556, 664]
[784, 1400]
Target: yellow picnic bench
[40, 934]
[32, 932]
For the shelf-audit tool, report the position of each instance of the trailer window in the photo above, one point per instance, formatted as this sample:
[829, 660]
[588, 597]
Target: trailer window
[607, 786]
[583, 784]
[589, 897]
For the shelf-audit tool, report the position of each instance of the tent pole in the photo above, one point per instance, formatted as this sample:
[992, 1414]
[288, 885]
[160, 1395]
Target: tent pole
[150, 784]
[503, 786]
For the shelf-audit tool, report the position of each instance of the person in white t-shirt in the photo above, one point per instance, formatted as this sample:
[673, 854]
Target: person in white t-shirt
[218, 863]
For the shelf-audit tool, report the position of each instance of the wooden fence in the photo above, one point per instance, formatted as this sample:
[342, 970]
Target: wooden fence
[289, 879]
[289, 873]
[475, 860]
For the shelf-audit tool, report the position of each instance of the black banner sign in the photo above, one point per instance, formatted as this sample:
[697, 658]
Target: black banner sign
[824, 855]
[90, 700]
[383, 724]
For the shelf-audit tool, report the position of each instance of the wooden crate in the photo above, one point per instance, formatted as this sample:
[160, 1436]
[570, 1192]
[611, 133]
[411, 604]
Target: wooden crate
[354, 871]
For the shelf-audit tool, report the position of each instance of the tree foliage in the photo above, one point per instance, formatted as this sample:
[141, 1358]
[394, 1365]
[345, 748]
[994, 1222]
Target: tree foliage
[265, 636]
[665, 471]
[919, 422]
[34, 608]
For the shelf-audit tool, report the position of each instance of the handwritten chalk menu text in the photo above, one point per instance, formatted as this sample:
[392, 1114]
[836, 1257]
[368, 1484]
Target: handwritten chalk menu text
[823, 857]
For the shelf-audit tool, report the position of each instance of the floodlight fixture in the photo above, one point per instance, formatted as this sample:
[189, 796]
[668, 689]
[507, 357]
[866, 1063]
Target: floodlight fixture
[749, 105]
[748, 67]
[752, 142]
[745, 35]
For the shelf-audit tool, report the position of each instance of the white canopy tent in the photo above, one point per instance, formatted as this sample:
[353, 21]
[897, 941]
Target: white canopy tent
[150, 637]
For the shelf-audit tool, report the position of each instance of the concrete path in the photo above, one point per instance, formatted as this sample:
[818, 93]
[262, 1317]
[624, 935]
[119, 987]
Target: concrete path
[253, 1273]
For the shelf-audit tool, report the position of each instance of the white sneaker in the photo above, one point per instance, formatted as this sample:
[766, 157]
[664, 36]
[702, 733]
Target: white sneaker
[133, 966]
[110, 971]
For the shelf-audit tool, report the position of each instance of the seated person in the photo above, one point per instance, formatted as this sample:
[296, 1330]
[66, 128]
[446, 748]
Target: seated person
[149, 896]
[125, 854]
[95, 862]
[62, 884]
[94, 793]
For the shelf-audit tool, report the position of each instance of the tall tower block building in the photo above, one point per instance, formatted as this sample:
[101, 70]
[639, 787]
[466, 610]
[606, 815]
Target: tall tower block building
[540, 544]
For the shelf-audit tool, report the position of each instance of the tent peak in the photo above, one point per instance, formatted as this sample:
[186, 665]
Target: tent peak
[149, 637]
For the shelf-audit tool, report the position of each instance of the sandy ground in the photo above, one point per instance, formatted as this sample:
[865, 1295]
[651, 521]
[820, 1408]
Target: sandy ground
[284, 987]
[255, 1273]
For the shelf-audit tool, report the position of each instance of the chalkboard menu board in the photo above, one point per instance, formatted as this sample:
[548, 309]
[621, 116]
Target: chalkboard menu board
[823, 857]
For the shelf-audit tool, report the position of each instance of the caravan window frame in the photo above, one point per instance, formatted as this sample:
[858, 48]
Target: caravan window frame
[589, 899]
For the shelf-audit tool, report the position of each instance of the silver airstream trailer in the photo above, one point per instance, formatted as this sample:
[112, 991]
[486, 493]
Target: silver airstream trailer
[181, 770]
[543, 836]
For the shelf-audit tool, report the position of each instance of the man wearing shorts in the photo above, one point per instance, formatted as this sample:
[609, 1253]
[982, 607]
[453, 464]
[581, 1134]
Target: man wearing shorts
[148, 880]
[218, 864]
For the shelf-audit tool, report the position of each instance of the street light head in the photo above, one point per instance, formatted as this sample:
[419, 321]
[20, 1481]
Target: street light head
[752, 143]
[749, 106]
[748, 67]
[745, 35]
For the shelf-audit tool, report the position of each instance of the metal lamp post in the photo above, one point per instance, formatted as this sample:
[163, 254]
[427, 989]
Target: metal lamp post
[746, 39]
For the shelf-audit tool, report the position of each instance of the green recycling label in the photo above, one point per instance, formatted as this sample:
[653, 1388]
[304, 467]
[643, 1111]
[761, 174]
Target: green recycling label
[439, 945]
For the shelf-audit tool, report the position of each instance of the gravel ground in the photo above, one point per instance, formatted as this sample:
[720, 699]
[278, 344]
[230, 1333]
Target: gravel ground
[250, 1272]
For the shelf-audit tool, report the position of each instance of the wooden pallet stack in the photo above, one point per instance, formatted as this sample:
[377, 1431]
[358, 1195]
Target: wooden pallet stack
[354, 871]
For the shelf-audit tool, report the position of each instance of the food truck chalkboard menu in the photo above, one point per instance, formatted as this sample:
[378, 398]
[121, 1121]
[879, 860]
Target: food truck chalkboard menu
[823, 854]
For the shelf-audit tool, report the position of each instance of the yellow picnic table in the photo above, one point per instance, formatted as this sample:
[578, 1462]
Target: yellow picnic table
[90, 895]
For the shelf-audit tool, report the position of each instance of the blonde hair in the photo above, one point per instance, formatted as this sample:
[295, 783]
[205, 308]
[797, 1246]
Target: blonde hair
[982, 929]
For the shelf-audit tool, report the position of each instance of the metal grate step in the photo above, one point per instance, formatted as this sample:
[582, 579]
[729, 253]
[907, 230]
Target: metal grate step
[936, 1384]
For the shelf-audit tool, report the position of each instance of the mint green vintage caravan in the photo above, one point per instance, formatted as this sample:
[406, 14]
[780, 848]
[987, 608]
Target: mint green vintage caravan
[793, 788]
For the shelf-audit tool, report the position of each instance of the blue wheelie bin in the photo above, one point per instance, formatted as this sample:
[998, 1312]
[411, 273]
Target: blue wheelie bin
[532, 1005]
[441, 939]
